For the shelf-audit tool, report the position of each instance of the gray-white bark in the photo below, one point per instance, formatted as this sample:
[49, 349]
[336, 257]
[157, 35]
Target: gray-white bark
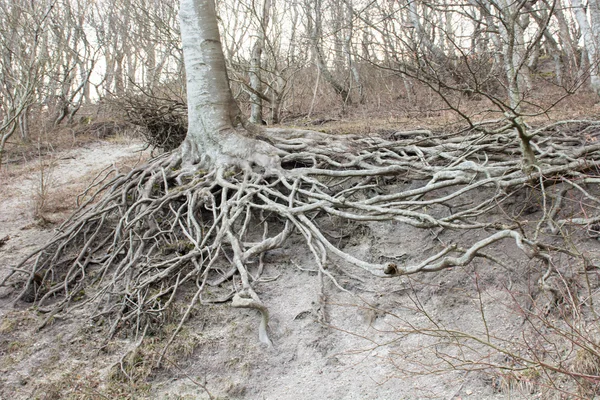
[216, 135]
[589, 43]
[315, 31]
[256, 116]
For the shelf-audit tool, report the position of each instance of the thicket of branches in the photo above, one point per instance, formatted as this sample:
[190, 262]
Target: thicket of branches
[163, 119]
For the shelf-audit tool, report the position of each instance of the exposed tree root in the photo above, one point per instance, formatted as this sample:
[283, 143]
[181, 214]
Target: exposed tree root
[142, 237]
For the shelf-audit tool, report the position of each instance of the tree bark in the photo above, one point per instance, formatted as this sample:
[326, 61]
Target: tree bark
[256, 116]
[568, 44]
[217, 134]
[315, 32]
[589, 42]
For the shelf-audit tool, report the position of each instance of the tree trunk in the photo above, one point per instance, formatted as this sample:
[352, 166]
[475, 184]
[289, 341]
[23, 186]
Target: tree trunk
[256, 116]
[216, 133]
[314, 28]
[348, 51]
[568, 44]
[118, 74]
[589, 43]
[24, 124]
[552, 45]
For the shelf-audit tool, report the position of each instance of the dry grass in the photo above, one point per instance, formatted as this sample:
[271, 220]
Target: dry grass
[56, 201]
[45, 185]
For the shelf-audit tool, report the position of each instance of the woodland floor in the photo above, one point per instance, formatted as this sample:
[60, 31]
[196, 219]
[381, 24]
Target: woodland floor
[363, 351]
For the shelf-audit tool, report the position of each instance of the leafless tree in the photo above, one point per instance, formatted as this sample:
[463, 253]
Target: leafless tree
[24, 63]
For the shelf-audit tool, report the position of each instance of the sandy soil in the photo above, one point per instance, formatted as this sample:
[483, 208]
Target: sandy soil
[369, 347]
[65, 176]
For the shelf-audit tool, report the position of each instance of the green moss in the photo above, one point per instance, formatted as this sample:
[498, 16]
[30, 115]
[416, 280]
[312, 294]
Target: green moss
[79, 295]
[8, 325]
[12, 320]
[180, 247]
[230, 173]
[16, 346]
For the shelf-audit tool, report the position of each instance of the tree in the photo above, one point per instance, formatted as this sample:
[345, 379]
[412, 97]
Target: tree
[207, 213]
[46, 63]
[24, 63]
[256, 65]
[314, 21]
[456, 68]
[268, 76]
[217, 134]
[589, 39]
